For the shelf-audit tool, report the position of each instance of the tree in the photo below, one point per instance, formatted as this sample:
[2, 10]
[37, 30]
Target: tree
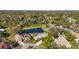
[53, 32]
[47, 42]
[71, 39]
[1, 34]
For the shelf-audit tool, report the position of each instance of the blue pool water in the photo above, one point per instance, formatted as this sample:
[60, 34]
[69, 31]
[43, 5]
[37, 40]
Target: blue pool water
[33, 30]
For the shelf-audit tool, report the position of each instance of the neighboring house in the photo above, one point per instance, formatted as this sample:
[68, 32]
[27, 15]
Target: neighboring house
[2, 30]
[77, 36]
[26, 45]
[40, 35]
[51, 25]
[5, 45]
[61, 41]
[66, 29]
[70, 19]
[21, 25]
[77, 23]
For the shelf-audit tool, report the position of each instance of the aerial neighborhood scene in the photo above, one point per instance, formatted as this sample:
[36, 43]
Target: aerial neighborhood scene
[22, 29]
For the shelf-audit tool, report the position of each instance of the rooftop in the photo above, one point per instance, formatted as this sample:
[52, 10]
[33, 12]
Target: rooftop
[62, 41]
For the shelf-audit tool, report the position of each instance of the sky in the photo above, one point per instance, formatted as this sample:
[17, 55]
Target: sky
[39, 4]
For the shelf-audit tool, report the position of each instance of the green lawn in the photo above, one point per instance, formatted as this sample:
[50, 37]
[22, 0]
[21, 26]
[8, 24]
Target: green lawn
[43, 26]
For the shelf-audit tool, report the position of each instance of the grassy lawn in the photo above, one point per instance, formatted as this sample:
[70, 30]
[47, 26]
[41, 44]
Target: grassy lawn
[11, 31]
[43, 26]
